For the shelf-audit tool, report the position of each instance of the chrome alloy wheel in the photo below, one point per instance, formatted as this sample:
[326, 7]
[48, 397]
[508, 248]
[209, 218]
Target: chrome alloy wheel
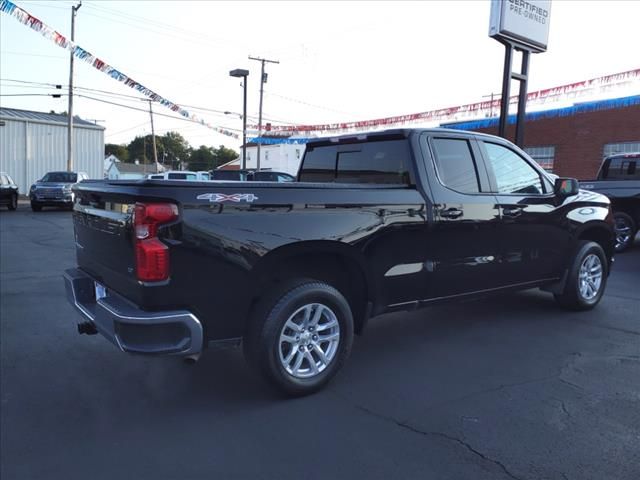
[309, 340]
[590, 277]
[623, 232]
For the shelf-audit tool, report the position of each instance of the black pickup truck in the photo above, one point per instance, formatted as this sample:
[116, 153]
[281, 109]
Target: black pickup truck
[375, 223]
[619, 179]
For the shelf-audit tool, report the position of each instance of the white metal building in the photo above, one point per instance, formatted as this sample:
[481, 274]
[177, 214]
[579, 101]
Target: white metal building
[34, 143]
[283, 157]
[131, 171]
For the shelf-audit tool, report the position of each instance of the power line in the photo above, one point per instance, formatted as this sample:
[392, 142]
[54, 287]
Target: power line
[126, 130]
[28, 94]
[26, 81]
[145, 111]
[157, 24]
[6, 52]
[295, 100]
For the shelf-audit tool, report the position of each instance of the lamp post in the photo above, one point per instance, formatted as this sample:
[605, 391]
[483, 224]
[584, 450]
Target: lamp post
[241, 73]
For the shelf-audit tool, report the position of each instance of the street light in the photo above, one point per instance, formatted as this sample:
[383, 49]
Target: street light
[241, 73]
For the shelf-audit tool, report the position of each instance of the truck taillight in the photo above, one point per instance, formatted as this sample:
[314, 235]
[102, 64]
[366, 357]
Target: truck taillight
[152, 256]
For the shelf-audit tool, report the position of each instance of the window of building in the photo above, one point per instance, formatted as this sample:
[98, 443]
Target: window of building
[455, 164]
[544, 156]
[266, 155]
[623, 147]
[512, 172]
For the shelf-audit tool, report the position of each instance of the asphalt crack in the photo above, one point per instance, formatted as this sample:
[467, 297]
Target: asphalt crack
[451, 438]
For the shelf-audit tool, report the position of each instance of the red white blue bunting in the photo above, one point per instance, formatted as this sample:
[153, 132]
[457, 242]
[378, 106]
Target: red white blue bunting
[471, 110]
[37, 25]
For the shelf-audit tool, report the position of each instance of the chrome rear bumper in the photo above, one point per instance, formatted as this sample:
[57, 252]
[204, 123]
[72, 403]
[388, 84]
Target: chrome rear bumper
[176, 332]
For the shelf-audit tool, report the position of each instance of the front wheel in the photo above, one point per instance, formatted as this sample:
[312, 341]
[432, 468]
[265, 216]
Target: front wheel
[587, 278]
[625, 230]
[35, 207]
[300, 336]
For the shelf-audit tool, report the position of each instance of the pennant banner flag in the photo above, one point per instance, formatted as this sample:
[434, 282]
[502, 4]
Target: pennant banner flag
[35, 24]
[472, 109]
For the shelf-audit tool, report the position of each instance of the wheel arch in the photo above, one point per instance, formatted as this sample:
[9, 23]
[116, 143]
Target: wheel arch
[600, 233]
[338, 264]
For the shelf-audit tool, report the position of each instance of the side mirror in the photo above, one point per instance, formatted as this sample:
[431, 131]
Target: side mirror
[566, 187]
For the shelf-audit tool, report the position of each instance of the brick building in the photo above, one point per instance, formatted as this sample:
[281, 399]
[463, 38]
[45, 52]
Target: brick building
[572, 141]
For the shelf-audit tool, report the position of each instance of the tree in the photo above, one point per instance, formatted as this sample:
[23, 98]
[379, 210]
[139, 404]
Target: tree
[224, 155]
[120, 151]
[174, 150]
[202, 159]
[141, 148]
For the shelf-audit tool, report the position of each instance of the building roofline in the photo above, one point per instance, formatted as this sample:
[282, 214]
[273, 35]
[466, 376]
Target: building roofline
[33, 116]
[579, 108]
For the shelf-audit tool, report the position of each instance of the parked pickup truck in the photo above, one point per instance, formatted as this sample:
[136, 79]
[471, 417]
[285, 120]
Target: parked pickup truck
[375, 223]
[619, 180]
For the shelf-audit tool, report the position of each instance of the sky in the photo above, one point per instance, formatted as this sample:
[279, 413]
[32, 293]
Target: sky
[339, 61]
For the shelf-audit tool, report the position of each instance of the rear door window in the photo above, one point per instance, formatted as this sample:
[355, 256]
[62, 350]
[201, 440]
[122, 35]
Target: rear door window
[456, 165]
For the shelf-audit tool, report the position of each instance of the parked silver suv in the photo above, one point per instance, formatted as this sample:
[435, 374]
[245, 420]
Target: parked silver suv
[54, 190]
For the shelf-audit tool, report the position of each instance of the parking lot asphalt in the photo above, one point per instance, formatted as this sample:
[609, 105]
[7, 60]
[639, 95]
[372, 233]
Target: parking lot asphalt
[508, 387]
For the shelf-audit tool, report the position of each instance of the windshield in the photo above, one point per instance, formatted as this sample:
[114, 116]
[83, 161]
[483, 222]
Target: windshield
[61, 177]
[182, 176]
[227, 175]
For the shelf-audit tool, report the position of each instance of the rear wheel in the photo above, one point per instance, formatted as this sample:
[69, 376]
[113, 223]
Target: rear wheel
[300, 336]
[35, 207]
[13, 202]
[587, 278]
[625, 229]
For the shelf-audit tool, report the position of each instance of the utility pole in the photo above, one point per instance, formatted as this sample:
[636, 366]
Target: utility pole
[70, 112]
[153, 137]
[491, 106]
[263, 80]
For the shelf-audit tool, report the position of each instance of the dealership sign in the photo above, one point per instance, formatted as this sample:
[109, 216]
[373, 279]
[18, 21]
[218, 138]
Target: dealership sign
[524, 22]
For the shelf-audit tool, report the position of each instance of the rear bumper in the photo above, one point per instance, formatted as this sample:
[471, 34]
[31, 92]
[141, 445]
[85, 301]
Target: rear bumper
[131, 329]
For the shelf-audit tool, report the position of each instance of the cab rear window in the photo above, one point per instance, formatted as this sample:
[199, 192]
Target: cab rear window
[381, 162]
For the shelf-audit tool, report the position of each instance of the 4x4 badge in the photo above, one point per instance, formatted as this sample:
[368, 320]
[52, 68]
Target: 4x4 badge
[223, 197]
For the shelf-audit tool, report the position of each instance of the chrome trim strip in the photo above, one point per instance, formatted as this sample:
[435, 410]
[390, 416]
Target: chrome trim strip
[506, 287]
[404, 269]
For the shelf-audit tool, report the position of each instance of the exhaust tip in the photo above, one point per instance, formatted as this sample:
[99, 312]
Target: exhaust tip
[191, 360]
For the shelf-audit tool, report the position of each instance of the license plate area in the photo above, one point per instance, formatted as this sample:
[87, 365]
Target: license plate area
[101, 291]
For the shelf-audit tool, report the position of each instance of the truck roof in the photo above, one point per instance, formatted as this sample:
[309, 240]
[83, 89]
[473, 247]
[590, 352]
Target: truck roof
[624, 155]
[377, 134]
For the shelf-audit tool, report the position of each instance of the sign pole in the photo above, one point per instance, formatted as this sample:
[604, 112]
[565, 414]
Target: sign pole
[522, 99]
[506, 91]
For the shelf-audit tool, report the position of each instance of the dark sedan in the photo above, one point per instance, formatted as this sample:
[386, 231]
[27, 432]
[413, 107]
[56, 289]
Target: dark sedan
[8, 191]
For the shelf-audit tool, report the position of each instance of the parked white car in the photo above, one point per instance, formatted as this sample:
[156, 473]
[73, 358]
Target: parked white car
[179, 175]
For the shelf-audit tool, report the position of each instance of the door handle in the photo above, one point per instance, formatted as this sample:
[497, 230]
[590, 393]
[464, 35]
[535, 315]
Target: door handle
[511, 211]
[451, 213]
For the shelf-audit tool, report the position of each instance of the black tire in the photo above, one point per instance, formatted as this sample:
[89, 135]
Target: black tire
[573, 297]
[35, 207]
[625, 229]
[262, 345]
[13, 203]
